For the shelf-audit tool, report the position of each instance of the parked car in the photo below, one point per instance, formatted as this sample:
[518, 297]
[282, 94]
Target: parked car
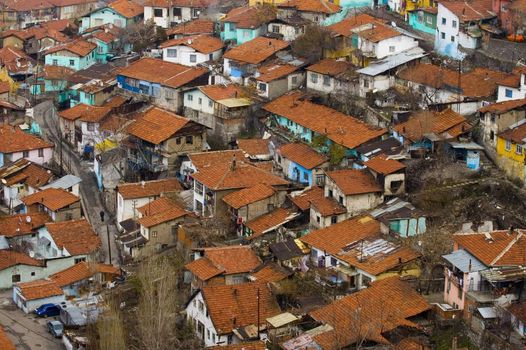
[47, 310]
[56, 328]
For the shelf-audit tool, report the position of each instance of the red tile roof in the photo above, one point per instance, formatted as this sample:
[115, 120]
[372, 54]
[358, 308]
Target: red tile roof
[270, 221]
[338, 127]
[78, 47]
[346, 26]
[149, 188]
[258, 345]
[85, 113]
[384, 166]
[159, 211]
[222, 92]
[354, 181]
[7, 344]
[80, 272]
[302, 154]
[270, 272]
[39, 289]
[52, 198]
[248, 195]
[256, 50]
[22, 224]
[24, 171]
[9, 258]
[378, 32]
[254, 147]
[52, 72]
[15, 140]
[443, 124]
[317, 6]
[15, 60]
[304, 199]
[518, 310]
[516, 134]
[331, 67]
[197, 26]
[467, 11]
[274, 71]
[206, 159]
[201, 43]
[326, 206]
[76, 236]
[28, 5]
[127, 8]
[503, 107]
[249, 17]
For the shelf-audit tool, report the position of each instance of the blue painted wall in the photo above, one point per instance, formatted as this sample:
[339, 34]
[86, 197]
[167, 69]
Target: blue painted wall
[421, 23]
[143, 87]
[73, 62]
[239, 35]
[105, 15]
[305, 175]
[408, 227]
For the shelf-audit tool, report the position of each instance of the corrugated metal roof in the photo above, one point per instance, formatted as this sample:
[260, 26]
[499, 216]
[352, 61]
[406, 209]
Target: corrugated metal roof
[64, 182]
[235, 102]
[487, 312]
[391, 62]
[466, 145]
[281, 319]
[461, 259]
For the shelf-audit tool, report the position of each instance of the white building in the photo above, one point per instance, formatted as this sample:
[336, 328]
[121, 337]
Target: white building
[331, 76]
[289, 28]
[376, 41]
[192, 50]
[513, 87]
[30, 295]
[166, 13]
[274, 79]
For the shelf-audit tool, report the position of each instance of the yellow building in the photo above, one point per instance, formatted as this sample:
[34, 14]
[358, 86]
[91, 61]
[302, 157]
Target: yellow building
[413, 5]
[268, 2]
[510, 151]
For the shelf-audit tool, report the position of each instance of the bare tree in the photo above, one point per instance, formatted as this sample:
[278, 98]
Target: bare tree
[314, 43]
[143, 35]
[110, 328]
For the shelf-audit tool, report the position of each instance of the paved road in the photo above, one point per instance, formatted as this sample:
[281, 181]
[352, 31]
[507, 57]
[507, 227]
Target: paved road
[45, 115]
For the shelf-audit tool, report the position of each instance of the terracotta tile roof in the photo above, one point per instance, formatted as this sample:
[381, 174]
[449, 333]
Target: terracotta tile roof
[206, 159]
[76, 236]
[104, 36]
[7, 344]
[178, 3]
[79, 272]
[10, 258]
[19, 225]
[221, 92]
[384, 166]
[127, 8]
[231, 307]
[274, 71]
[15, 60]
[24, 171]
[379, 32]
[85, 113]
[338, 127]
[39, 289]
[480, 82]
[52, 72]
[345, 27]
[256, 50]
[157, 125]
[42, 32]
[254, 147]
[249, 17]
[510, 80]
[15, 140]
[197, 26]
[174, 75]
[502, 249]
[354, 181]
[62, 3]
[59, 24]
[303, 199]
[248, 195]
[149, 188]
[28, 5]
[200, 43]
[52, 198]
[4, 87]
[518, 6]
[327, 206]
[258, 345]
[78, 47]
[470, 11]
[270, 272]
[503, 107]
[204, 269]
[302, 154]
[318, 6]
[518, 310]
[159, 211]
[20, 34]
[381, 308]
[331, 67]
[270, 221]
[441, 124]
[516, 135]
[223, 176]
[410, 344]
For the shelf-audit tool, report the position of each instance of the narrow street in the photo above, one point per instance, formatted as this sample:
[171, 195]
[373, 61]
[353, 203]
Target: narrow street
[44, 114]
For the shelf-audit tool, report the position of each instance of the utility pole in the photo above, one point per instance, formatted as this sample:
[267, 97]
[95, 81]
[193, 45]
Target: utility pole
[109, 245]
[258, 310]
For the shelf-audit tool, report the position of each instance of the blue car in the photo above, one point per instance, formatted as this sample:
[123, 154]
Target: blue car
[47, 310]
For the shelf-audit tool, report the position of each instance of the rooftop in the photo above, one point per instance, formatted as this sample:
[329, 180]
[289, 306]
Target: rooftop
[464, 261]
[304, 198]
[39, 289]
[78, 47]
[444, 125]
[384, 166]
[354, 181]
[505, 106]
[270, 272]
[127, 8]
[256, 50]
[316, 6]
[346, 26]
[302, 154]
[197, 26]
[221, 92]
[26, 172]
[15, 140]
[274, 71]
[332, 67]
[249, 17]
[76, 236]
[516, 134]
[81, 271]
[15, 60]
[201, 43]
[269, 222]
[254, 147]
[206, 159]
[10, 258]
[159, 211]
[85, 113]
[248, 195]
[22, 224]
[149, 188]
[467, 11]
[52, 198]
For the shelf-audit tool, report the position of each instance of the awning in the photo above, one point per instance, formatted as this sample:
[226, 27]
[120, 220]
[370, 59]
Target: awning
[487, 312]
[281, 319]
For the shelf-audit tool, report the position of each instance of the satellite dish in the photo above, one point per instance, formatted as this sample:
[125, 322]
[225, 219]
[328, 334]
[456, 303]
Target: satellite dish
[31, 254]
[28, 219]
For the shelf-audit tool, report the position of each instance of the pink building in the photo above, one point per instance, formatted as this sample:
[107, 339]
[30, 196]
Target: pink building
[16, 144]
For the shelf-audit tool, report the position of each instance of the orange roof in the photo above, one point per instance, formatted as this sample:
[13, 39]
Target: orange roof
[428, 122]
[52, 72]
[15, 60]
[28, 5]
[302, 154]
[518, 310]
[345, 27]
[205, 159]
[78, 47]
[257, 345]
[86, 113]
[326, 206]
[52, 198]
[234, 306]
[149, 188]
[174, 75]
[331, 67]
[270, 221]
[4, 87]
[222, 92]
[254, 147]
[24, 171]
[256, 50]
[159, 211]
[223, 176]
[22, 224]
[338, 127]
[503, 107]
[39, 289]
[15, 140]
[384, 166]
[76, 236]
[470, 11]
[518, 6]
[106, 37]
[516, 135]
[270, 272]
[384, 306]
[249, 17]
[304, 199]
[157, 125]
[10, 258]
[200, 43]
[502, 249]
[378, 32]
[204, 269]
[127, 8]
[354, 181]
[274, 71]
[248, 195]
[318, 6]
[7, 344]
[81, 271]
[197, 26]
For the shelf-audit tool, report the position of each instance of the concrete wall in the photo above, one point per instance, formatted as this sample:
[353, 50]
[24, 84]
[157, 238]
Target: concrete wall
[196, 312]
[126, 209]
[70, 60]
[184, 53]
[493, 124]
[393, 46]
[33, 155]
[318, 221]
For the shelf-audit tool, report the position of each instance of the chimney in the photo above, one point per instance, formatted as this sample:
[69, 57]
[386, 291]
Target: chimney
[510, 230]
[233, 166]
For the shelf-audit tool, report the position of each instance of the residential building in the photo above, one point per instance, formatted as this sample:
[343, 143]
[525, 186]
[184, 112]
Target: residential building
[510, 150]
[270, 223]
[512, 87]
[28, 13]
[159, 138]
[58, 203]
[77, 55]
[256, 149]
[108, 43]
[53, 80]
[458, 26]
[19, 227]
[200, 160]
[389, 174]
[142, 77]
[497, 117]
[288, 29]
[165, 13]
[315, 11]
[242, 24]
[518, 321]
[301, 164]
[330, 76]
[72, 9]
[275, 79]
[16, 62]
[29, 296]
[212, 309]
[227, 265]
[192, 50]
[18, 267]
[424, 19]
[17, 144]
[194, 27]
[400, 217]
[120, 13]
[68, 182]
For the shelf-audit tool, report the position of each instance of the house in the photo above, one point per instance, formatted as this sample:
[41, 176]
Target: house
[68, 182]
[200, 160]
[268, 223]
[300, 163]
[28, 13]
[53, 80]
[270, 272]
[242, 24]
[60, 204]
[192, 50]
[109, 166]
[289, 28]
[399, 217]
[227, 265]
[242, 61]
[165, 13]
[225, 109]
[318, 210]
[20, 179]
[142, 77]
[29, 296]
[517, 312]
[72, 9]
[424, 131]
[423, 19]
[512, 87]
[158, 138]
[497, 117]
[77, 55]
[458, 26]
[389, 174]
[92, 86]
[194, 27]
[256, 149]
[212, 310]
[18, 267]
[353, 253]
[510, 150]
[314, 11]
[120, 13]
[16, 62]
[108, 43]
[131, 196]
[17, 144]
[18, 227]
[23, 40]
[330, 76]
[275, 79]
[289, 254]
[214, 182]
[405, 8]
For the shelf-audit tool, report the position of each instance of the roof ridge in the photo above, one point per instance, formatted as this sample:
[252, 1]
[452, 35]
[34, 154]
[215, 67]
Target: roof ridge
[507, 248]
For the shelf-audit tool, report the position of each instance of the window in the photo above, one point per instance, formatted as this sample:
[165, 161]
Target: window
[314, 78]
[318, 219]
[200, 101]
[443, 20]
[71, 62]
[177, 12]
[391, 49]
[68, 216]
[178, 141]
[452, 39]
[340, 200]
[508, 93]
[211, 57]
[442, 35]
[195, 13]
[25, 154]
[429, 20]
[262, 87]
[214, 338]
[275, 29]
[305, 176]
[334, 219]
[210, 103]
[90, 126]
[168, 93]
[232, 27]
[193, 58]
[154, 234]
[334, 262]
[201, 306]
[246, 33]
[198, 188]
[157, 12]
[55, 62]
[78, 260]
[15, 278]
[492, 135]
[189, 140]
[190, 97]
[100, 49]
[207, 334]
[32, 273]
[174, 229]
[366, 83]
[326, 80]
[518, 149]
[454, 24]
[294, 80]
[41, 152]
[171, 53]
[508, 145]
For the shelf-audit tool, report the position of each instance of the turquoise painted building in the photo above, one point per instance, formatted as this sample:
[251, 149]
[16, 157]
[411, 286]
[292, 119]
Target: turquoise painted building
[424, 20]
[240, 35]
[120, 13]
[76, 55]
[401, 217]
